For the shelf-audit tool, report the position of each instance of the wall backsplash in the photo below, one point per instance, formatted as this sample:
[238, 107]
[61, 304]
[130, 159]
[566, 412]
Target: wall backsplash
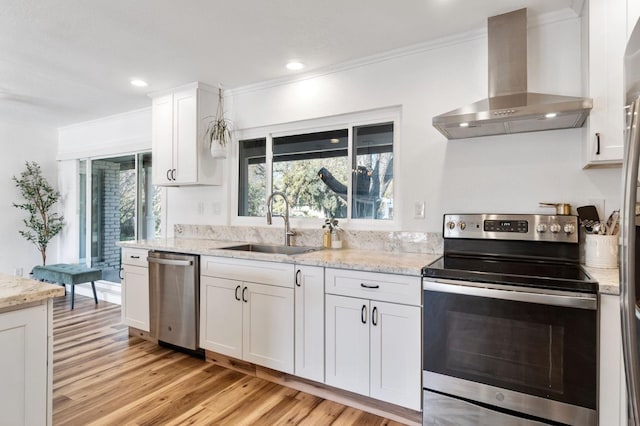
[393, 241]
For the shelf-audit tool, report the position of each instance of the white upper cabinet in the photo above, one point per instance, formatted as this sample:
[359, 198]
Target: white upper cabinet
[181, 155]
[604, 140]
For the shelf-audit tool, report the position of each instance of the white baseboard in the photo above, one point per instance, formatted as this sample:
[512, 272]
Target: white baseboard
[105, 290]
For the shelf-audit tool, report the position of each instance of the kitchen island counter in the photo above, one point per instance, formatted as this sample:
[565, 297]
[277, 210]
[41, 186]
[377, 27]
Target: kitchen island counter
[17, 291]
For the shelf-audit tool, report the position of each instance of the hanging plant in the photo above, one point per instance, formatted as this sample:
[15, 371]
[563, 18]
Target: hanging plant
[40, 197]
[218, 132]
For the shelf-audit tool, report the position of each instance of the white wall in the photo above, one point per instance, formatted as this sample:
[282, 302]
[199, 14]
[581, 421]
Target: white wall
[22, 142]
[492, 174]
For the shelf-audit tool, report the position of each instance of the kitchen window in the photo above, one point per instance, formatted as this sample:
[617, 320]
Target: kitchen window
[340, 171]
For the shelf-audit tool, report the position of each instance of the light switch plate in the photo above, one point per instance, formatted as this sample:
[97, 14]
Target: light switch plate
[418, 210]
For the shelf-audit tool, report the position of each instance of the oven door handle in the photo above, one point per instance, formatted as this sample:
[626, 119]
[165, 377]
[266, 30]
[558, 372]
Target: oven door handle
[587, 301]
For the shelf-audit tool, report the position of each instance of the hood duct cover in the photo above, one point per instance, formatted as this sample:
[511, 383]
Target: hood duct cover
[510, 108]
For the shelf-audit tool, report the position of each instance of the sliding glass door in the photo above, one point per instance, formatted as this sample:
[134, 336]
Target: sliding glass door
[118, 202]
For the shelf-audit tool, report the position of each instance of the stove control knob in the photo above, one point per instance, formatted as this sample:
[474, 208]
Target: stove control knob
[451, 225]
[462, 225]
[555, 228]
[541, 228]
[569, 228]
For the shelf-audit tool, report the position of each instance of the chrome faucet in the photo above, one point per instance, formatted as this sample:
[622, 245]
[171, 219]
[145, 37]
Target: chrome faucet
[288, 233]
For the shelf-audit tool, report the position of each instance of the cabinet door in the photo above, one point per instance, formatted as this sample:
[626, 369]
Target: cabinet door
[135, 297]
[607, 40]
[268, 326]
[162, 139]
[23, 366]
[309, 322]
[221, 316]
[185, 136]
[612, 401]
[347, 343]
[396, 354]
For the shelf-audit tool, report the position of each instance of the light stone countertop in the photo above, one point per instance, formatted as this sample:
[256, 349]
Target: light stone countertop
[16, 291]
[608, 279]
[357, 259]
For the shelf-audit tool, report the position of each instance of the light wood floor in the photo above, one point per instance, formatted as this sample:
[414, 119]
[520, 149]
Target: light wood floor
[102, 376]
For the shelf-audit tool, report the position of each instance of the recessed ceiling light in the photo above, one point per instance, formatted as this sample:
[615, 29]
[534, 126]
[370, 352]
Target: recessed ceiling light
[139, 83]
[464, 124]
[334, 140]
[551, 115]
[294, 65]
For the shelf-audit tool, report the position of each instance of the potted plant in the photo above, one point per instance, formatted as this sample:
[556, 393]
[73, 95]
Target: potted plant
[40, 197]
[218, 132]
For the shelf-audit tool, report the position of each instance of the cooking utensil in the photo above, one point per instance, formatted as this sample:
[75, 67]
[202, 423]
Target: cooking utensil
[561, 208]
[588, 217]
[612, 222]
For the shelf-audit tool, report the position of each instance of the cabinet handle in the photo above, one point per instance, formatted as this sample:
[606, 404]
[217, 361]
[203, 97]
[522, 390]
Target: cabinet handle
[237, 297]
[120, 273]
[244, 299]
[363, 314]
[135, 257]
[168, 174]
[597, 143]
[173, 174]
[369, 285]
[374, 315]
[298, 277]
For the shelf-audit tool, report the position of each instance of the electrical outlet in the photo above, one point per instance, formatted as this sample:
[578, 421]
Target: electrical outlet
[17, 272]
[418, 210]
[201, 208]
[217, 208]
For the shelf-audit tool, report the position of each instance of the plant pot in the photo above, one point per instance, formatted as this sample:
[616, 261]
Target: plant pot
[217, 150]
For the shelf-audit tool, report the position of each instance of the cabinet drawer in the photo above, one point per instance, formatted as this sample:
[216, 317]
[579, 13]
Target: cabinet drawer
[373, 285]
[273, 273]
[134, 257]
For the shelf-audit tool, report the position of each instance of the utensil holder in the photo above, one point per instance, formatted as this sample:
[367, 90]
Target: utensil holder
[601, 251]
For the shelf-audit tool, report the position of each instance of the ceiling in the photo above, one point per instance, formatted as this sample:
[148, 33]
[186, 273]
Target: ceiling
[67, 61]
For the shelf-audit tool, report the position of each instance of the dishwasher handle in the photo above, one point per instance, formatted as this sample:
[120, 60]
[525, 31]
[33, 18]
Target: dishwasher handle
[172, 262]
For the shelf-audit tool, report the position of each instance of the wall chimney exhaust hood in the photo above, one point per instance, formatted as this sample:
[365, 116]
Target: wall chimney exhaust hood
[510, 108]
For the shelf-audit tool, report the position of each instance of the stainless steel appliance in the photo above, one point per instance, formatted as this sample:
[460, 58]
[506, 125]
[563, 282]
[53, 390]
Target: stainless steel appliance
[509, 323]
[510, 107]
[630, 251]
[174, 298]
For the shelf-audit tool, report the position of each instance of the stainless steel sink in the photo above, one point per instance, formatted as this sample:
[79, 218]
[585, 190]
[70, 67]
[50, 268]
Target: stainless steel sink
[273, 249]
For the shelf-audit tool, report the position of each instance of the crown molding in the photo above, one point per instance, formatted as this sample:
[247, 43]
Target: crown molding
[415, 49]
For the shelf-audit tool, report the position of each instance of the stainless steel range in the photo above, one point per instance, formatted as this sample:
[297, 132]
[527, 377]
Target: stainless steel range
[509, 324]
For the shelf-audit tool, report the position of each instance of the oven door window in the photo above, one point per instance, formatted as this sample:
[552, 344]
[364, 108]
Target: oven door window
[541, 350]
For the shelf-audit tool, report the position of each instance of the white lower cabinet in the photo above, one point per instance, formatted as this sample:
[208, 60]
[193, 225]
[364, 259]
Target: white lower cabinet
[248, 320]
[135, 289]
[373, 347]
[347, 350]
[309, 322]
[612, 398]
[395, 353]
[25, 388]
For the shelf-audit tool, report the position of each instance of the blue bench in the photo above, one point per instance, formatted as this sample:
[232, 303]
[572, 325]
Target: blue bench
[63, 273]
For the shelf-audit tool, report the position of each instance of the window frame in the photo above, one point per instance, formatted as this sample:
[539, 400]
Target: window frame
[343, 121]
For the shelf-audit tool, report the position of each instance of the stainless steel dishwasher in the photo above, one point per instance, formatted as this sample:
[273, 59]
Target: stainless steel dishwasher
[174, 288]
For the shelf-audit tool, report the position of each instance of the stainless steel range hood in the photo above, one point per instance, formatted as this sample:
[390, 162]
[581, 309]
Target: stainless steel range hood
[510, 108]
